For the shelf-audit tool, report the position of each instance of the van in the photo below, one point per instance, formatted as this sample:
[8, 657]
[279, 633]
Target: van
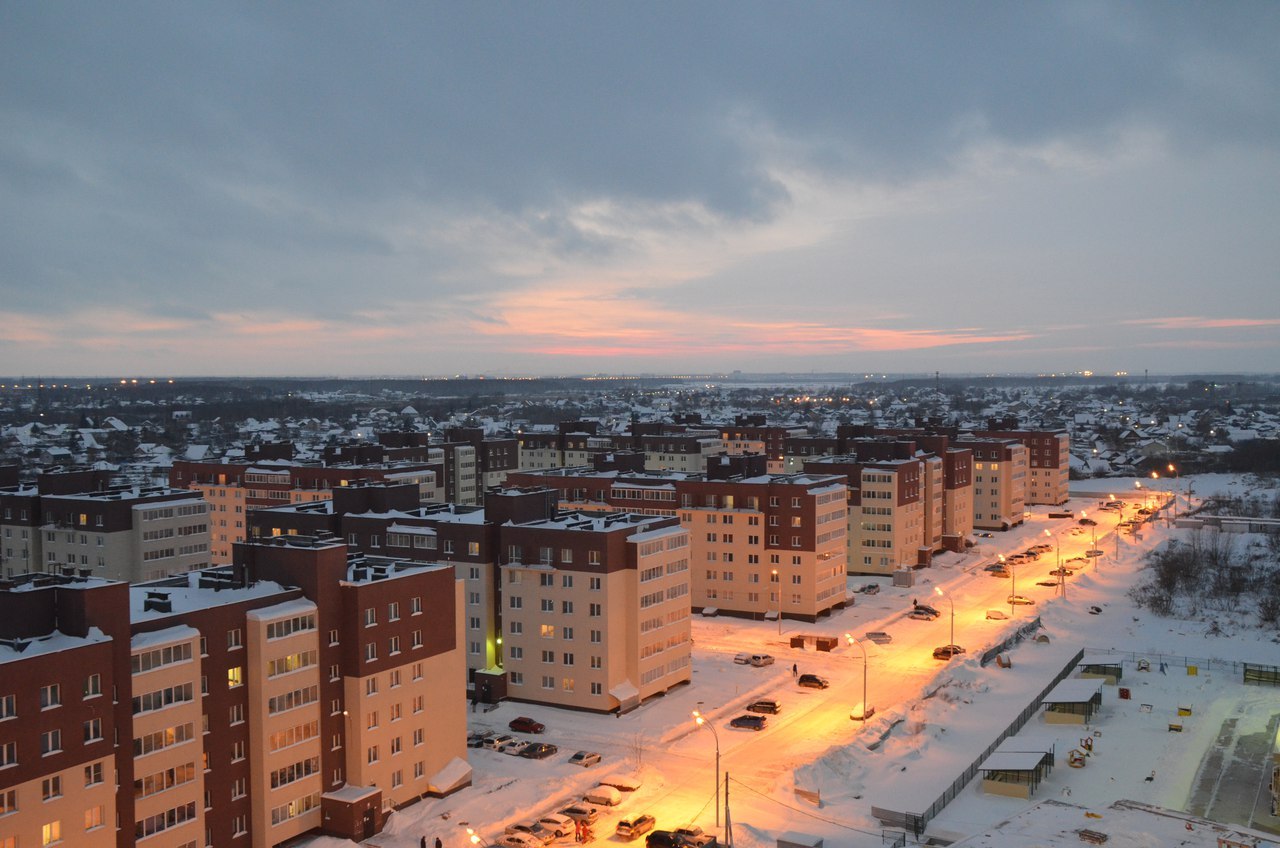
[605, 796]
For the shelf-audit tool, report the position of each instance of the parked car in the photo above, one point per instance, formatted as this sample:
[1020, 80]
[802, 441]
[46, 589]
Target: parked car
[923, 613]
[760, 660]
[537, 831]
[558, 823]
[475, 739]
[1088, 522]
[636, 826]
[998, 572]
[764, 705]
[812, 681]
[1042, 548]
[586, 759]
[519, 840]
[663, 839]
[871, 589]
[693, 835]
[946, 652]
[878, 636]
[1046, 582]
[497, 742]
[1019, 599]
[516, 748]
[742, 659]
[1062, 572]
[997, 615]
[584, 813]
[605, 796]
[749, 722]
[524, 724]
[984, 535]
[539, 751]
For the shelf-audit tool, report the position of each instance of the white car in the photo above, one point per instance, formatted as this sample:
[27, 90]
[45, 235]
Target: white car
[581, 812]
[558, 823]
[518, 840]
[586, 759]
[516, 747]
[498, 743]
[535, 829]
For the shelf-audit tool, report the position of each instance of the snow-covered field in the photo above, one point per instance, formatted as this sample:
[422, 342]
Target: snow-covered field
[811, 770]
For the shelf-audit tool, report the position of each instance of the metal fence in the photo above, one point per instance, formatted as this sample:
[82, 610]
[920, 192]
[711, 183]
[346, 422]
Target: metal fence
[915, 823]
[1022, 633]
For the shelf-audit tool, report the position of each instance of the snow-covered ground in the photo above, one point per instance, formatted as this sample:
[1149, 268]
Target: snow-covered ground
[812, 770]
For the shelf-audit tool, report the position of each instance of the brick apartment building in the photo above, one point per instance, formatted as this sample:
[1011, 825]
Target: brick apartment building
[295, 691]
[76, 520]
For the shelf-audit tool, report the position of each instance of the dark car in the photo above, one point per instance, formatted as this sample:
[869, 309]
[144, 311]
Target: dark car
[764, 705]
[750, 722]
[524, 724]
[663, 839]
[1088, 522]
[539, 751]
[946, 652]
[813, 681]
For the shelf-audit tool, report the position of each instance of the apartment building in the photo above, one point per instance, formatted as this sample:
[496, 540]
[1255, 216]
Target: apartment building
[292, 692]
[685, 453]
[233, 489]
[1048, 460]
[750, 435]
[595, 610]
[794, 525]
[22, 519]
[999, 481]
[887, 510]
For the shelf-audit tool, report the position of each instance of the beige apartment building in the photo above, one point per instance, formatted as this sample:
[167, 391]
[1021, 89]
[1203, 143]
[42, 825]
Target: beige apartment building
[890, 512]
[999, 482]
[1048, 462]
[595, 611]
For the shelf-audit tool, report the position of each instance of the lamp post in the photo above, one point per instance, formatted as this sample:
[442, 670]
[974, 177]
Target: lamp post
[778, 585]
[1119, 521]
[474, 839]
[867, 710]
[1173, 469]
[938, 591]
[1062, 577]
[1094, 553]
[701, 721]
[1013, 576]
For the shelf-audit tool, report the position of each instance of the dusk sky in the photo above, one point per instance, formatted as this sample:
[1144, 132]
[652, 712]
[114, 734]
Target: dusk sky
[580, 187]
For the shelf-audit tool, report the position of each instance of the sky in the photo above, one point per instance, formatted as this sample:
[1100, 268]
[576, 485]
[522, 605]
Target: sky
[571, 187]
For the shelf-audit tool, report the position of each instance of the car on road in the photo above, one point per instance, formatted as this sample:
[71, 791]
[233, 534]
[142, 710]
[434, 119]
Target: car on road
[1046, 582]
[742, 659]
[581, 812]
[878, 636]
[518, 840]
[946, 652]
[764, 705]
[984, 535]
[586, 759]
[516, 748]
[1088, 522]
[1020, 600]
[997, 615]
[750, 722]
[558, 823]
[998, 572]
[812, 681]
[524, 724]
[923, 613]
[663, 839]
[760, 660]
[539, 751]
[1062, 572]
[636, 826]
[497, 742]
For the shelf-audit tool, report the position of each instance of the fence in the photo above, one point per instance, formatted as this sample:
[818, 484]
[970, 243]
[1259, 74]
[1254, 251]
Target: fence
[1023, 632]
[915, 823]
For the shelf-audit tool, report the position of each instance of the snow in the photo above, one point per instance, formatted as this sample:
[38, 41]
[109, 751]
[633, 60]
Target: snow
[814, 771]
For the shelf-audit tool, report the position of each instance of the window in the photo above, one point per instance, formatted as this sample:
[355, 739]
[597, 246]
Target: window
[370, 617]
[234, 640]
[548, 605]
[8, 754]
[372, 755]
[50, 696]
[370, 651]
[93, 774]
[8, 802]
[371, 686]
[393, 611]
[597, 636]
[566, 607]
[568, 659]
[548, 656]
[393, 645]
[416, 639]
[593, 584]
[51, 833]
[93, 685]
[595, 610]
[235, 715]
[415, 604]
[51, 787]
[8, 706]
[235, 677]
[515, 602]
[597, 688]
[50, 742]
[93, 730]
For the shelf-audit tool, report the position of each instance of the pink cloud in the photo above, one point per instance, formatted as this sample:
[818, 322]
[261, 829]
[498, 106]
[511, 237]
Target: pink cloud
[1201, 323]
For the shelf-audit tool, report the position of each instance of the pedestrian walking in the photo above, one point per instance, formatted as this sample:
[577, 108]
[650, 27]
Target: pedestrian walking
[795, 670]
[439, 843]
[422, 843]
[913, 603]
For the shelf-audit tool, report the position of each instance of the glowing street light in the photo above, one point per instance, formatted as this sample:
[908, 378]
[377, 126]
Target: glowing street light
[938, 590]
[701, 721]
[867, 710]
[778, 584]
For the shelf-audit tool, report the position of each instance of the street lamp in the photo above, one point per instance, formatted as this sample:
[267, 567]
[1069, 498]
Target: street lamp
[1119, 521]
[474, 839]
[1173, 469]
[778, 586]
[701, 721]
[1013, 576]
[938, 590]
[1062, 577]
[1094, 553]
[867, 711]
